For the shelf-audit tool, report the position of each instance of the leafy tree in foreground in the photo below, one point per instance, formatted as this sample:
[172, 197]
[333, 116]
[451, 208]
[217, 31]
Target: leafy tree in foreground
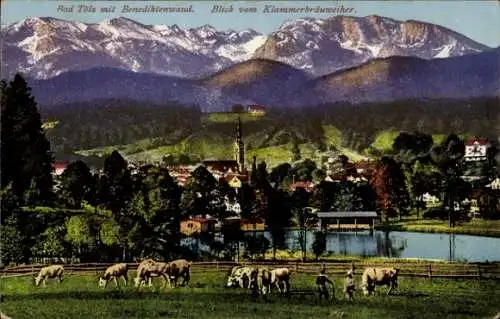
[12, 242]
[447, 157]
[319, 243]
[389, 184]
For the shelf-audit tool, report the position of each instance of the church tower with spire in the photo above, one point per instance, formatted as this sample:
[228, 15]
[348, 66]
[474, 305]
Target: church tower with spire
[239, 148]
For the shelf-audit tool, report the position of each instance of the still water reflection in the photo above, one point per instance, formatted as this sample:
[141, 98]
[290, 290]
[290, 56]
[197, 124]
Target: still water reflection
[401, 244]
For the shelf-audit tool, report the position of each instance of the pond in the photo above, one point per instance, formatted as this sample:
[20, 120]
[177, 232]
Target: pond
[400, 244]
[405, 245]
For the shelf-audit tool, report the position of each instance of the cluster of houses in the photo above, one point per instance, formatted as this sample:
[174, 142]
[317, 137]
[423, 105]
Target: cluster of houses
[236, 174]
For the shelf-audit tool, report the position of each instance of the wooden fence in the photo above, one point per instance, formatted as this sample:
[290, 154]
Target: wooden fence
[415, 269]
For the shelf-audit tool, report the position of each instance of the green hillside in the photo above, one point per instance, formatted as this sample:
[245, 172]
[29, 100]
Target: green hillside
[383, 140]
[268, 143]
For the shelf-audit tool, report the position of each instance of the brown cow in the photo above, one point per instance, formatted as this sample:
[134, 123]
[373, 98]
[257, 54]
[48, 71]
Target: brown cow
[114, 272]
[260, 281]
[149, 268]
[378, 277]
[178, 268]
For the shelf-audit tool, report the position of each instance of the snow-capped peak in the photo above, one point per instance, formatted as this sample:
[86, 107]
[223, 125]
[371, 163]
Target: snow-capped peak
[326, 45]
[44, 47]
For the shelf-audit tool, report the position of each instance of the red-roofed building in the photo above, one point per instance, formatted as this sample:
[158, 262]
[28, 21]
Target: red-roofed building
[221, 166]
[476, 149]
[308, 186]
[59, 167]
[255, 109]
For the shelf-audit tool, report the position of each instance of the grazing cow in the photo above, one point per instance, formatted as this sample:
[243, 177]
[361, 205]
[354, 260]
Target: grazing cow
[240, 276]
[349, 285]
[231, 276]
[378, 277]
[49, 272]
[322, 282]
[3, 316]
[260, 281]
[114, 272]
[149, 268]
[178, 268]
[281, 276]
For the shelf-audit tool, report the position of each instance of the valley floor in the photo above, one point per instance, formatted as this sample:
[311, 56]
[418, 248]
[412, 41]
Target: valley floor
[79, 297]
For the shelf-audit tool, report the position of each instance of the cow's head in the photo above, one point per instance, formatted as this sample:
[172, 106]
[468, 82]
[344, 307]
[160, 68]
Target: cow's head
[394, 277]
[37, 280]
[232, 282]
[102, 282]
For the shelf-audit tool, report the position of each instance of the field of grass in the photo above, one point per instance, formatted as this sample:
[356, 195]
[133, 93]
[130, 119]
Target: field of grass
[475, 227]
[79, 297]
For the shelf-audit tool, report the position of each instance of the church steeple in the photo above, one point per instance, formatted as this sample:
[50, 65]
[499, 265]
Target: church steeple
[239, 147]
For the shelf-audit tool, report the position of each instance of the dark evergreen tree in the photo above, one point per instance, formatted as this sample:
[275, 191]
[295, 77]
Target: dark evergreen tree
[26, 159]
[77, 185]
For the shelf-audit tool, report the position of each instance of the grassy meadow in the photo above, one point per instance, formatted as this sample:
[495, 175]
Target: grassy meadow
[79, 297]
[475, 227]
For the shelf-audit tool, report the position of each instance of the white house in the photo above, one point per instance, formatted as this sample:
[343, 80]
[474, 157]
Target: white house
[430, 199]
[232, 206]
[495, 184]
[476, 149]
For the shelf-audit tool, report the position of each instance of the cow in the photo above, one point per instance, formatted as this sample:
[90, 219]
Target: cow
[178, 268]
[50, 272]
[149, 268]
[378, 277]
[114, 272]
[240, 277]
[281, 276]
[260, 281]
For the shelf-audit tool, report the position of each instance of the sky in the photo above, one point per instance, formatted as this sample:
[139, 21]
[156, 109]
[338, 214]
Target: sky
[477, 19]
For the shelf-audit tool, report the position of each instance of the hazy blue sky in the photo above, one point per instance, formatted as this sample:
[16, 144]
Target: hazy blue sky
[479, 19]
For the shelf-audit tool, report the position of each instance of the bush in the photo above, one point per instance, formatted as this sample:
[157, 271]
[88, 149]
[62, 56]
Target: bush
[436, 213]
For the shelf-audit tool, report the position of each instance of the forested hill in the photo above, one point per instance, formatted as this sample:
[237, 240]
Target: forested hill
[171, 127]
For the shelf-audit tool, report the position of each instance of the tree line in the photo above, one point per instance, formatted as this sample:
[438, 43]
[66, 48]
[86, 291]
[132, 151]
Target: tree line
[123, 212]
[93, 124]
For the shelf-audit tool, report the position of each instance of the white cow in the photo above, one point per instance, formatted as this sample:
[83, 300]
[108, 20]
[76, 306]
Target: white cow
[49, 272]
[240, 277]
[281, 276]
[378, 277]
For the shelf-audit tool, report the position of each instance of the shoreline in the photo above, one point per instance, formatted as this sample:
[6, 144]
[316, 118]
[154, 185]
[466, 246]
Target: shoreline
[481, 228]
[488, 228]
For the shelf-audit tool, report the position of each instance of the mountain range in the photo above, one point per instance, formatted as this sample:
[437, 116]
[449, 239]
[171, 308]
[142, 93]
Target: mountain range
[45, 47]
[306, 62]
